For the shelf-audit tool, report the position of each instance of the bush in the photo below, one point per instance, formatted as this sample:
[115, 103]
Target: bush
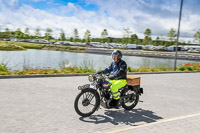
[189, 67]
[4, 73]
[181, 68]
[143, 69]
[146, 69]
[3, 68]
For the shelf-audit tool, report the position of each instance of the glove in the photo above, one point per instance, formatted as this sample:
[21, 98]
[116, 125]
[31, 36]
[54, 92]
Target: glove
[100, 72]
[111, 77]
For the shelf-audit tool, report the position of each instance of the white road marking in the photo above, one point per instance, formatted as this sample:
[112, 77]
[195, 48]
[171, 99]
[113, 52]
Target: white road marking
[153, 123]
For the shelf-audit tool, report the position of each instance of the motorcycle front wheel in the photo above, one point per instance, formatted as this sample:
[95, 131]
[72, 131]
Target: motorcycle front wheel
[131, 99]
[87, 102]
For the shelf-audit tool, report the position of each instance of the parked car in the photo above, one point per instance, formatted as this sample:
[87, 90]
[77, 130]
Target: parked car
[131, 46]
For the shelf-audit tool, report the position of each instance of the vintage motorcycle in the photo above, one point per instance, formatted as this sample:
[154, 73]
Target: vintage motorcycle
[98, 93]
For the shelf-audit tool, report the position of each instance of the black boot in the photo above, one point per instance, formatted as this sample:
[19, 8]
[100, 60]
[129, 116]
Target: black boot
[112, 103]
[117, 103]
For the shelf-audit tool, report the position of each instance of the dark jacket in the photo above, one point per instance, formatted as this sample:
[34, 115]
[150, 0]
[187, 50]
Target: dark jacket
[119, 70]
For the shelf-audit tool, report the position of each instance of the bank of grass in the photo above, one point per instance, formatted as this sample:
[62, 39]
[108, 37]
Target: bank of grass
[48, 70]
[30, 45]
[146, 69]
[15, 46]
[64, 48]
[10, 47]
[185, 67]
[70, 70]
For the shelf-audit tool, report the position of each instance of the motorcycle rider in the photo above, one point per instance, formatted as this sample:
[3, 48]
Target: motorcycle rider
[118, 78]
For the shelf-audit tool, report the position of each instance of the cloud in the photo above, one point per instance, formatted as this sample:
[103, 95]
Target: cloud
[114, 15]
[158, 15]
[26, 16]
[8, 4]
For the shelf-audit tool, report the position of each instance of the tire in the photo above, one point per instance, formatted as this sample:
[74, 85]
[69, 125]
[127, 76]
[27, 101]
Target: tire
[86, 101]
[134, 99]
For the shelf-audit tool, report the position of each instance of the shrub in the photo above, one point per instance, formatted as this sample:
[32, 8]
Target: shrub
[146, 69]
[4, 73]
[3, 68]
[143, 69]
[189, 67]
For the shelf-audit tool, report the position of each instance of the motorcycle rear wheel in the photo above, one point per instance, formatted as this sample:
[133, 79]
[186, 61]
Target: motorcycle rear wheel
[131, 101]
[88, 98]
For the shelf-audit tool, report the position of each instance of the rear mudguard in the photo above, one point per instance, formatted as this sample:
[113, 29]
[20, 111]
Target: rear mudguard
[137, 89]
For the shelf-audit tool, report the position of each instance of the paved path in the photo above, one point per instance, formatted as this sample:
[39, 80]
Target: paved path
[45, 105]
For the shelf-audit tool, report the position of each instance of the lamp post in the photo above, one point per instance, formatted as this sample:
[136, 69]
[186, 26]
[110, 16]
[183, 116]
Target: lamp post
[179, 23]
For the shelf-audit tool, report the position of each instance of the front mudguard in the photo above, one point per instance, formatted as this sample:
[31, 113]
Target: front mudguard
[85, 88]
[91, 89]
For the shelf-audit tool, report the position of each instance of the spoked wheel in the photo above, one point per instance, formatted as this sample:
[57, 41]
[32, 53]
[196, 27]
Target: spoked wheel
[131, 99]
[87, 102]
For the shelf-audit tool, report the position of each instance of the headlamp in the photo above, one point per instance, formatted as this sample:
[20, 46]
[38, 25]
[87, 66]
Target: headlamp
[90, 78]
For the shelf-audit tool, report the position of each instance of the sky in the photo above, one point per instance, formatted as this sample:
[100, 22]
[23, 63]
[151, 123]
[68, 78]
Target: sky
[96, 15]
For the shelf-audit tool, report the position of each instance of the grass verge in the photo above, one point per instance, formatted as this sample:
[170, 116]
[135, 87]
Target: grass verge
[14, 46]
[69, 70]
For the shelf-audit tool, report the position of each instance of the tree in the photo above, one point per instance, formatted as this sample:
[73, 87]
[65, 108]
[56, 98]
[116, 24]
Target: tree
[104, 34]
[134, 38]
[87, 36]
[171, 35]
[18, 34]
[161, 37]
[157, 38]
[7, 33]
[157, 41]
[26, 34]
[62, 35]
[147, 40]
[197, 36]
[147, 32]
[48, 34]
[126, 36]
[75, 35]
[71, 39]
[37, 33]
[189, 42]
[147, 37]
[109, 40]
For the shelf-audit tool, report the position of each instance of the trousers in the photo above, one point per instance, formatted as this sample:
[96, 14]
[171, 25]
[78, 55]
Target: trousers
[116, 85]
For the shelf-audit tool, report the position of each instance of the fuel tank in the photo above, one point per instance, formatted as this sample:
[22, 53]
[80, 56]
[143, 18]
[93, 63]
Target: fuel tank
[106, 84]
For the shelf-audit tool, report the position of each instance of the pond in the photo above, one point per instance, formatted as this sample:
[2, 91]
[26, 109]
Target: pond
[17, 60]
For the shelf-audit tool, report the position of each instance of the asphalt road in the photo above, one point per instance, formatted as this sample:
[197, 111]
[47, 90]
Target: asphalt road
[45, 105]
